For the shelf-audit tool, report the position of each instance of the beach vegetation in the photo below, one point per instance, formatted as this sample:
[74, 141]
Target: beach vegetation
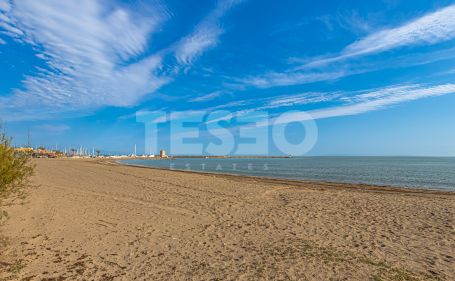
[15, 167]
[16, 268]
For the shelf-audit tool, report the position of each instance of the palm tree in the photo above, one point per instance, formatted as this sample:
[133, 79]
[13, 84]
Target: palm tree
[98, 152]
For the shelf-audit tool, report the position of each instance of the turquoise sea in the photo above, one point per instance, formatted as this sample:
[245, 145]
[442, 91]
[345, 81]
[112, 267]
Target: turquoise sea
[413, 172]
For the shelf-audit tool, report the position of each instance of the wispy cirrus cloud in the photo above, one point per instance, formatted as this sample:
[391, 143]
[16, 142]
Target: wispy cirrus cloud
[4, 5]
[335, 104]
[277, 102]
[205, 35]
[95, 54]
[207, 97]
[366, 101]
[86, 63]
[299, 99]
[276, 79]
[432, 28]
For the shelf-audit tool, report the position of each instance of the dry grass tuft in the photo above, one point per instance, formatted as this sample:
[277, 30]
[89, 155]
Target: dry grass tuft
[15, 169]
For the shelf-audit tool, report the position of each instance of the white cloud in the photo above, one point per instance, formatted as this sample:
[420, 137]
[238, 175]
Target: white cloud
[86, 47]
[192, 46]
[95, 54]
[275, 79]
[205, 35]
[358, 102]
[207, 97]
[429, 29]
[299, 99]
[376, 100]
[282, 101]
[5, 5]
[432, 28]
[333, 104]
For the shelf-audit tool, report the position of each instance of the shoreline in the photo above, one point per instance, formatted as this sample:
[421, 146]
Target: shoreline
[301, 182]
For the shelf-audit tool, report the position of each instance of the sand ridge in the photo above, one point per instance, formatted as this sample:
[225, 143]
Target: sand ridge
[92, 220]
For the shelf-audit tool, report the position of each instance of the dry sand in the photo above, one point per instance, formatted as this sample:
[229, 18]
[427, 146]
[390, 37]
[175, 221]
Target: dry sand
[93, 220]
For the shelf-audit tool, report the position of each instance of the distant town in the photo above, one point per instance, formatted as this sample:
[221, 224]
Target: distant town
[42, 152]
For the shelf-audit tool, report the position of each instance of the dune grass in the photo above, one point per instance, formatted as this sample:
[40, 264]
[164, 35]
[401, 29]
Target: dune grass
[15, 168]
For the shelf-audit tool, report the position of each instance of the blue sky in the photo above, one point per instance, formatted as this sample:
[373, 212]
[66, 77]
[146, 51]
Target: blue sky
[378, 76]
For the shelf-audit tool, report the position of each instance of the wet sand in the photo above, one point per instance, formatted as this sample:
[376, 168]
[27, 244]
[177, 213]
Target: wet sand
[97, 220]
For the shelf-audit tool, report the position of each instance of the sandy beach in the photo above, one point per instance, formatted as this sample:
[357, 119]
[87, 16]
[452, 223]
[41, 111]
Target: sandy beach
[98, 220]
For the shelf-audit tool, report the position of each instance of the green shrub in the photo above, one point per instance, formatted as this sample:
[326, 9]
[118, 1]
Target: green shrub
[15, 168]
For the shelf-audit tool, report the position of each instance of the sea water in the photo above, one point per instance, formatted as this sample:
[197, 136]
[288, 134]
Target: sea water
[412, 172]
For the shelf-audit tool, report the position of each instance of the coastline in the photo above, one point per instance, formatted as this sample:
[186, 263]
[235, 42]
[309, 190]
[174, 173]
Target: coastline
[91, 219]
[300, 182]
